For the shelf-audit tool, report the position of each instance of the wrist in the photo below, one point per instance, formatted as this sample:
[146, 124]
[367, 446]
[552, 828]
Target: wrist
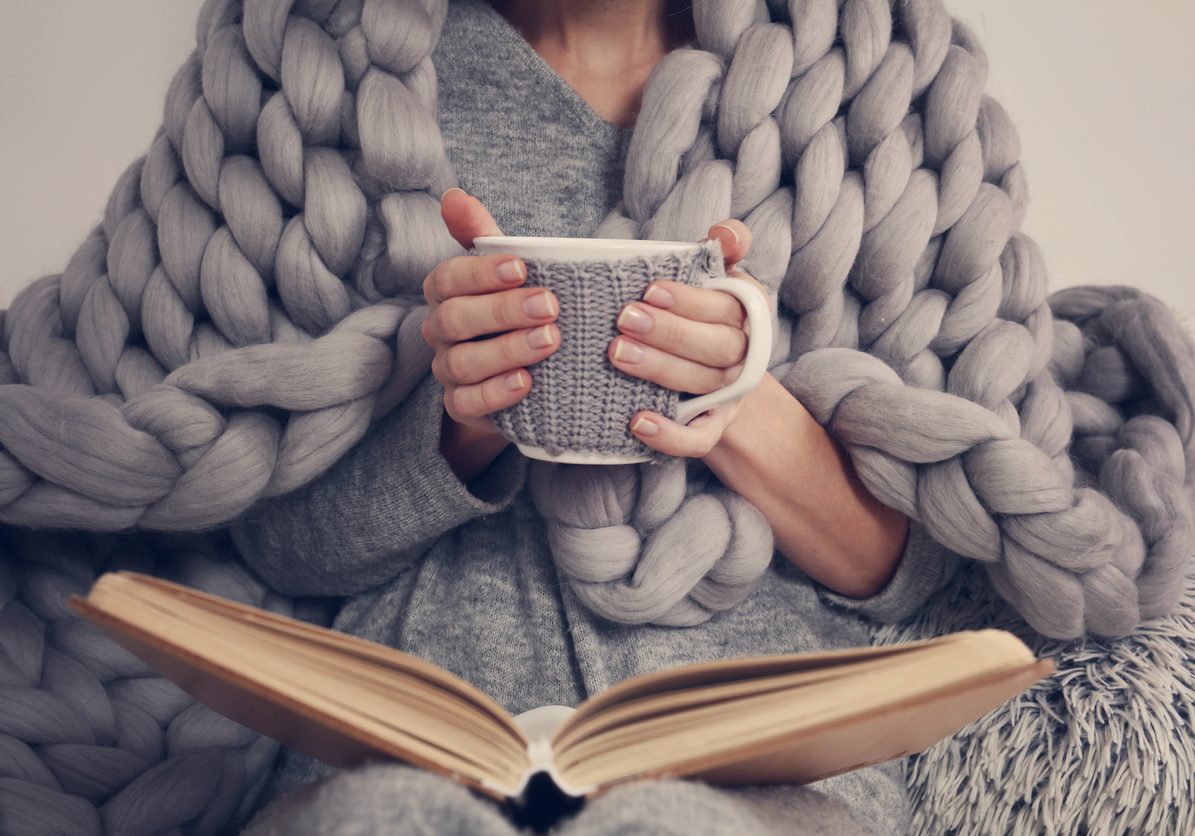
[469, 449]
[756, 420]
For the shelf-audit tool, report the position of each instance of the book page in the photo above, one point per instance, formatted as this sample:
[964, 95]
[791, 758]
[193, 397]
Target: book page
[671, 703]
[729, 670]
[341, 643]
[896, 731]
[343, 708]
[694, 735]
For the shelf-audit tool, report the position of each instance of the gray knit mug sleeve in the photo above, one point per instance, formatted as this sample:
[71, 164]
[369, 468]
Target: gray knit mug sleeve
[579, 403]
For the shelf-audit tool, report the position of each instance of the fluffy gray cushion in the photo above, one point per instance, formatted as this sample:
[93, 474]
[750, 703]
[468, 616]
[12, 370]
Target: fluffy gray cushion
[1104, 746]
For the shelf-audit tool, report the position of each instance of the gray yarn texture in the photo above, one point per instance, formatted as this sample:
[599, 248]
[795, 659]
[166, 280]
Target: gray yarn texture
[578, 400]
[250, 303]
[251, 299]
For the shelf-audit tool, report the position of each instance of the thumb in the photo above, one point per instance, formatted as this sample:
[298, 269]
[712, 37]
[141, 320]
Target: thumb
[735, 238]
[466, 217]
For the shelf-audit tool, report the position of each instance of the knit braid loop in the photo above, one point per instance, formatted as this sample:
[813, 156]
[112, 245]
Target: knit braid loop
[615, 532]
[251, 301]
[91, 740]
[188, 451]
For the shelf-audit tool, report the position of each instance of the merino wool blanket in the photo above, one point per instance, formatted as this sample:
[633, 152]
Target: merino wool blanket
[251, 301]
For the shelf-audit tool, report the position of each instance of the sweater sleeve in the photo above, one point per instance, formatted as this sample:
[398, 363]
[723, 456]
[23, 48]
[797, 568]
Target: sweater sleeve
[925, 567]
[376, 510]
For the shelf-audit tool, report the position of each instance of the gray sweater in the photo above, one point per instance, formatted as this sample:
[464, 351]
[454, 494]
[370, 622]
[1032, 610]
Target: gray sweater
[461, 574]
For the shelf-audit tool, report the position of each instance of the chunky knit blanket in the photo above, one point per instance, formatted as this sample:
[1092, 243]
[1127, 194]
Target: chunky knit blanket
[251, 301]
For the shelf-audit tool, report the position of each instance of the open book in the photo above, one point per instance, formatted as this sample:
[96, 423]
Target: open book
[773, 719]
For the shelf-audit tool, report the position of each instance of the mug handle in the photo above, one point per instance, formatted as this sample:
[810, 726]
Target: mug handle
[759, 349]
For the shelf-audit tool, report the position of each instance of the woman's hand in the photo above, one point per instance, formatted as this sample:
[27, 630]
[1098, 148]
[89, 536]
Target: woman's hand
[485, 329]
[690, 340]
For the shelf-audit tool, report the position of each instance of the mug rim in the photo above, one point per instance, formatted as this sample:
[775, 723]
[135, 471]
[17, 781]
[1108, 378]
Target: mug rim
[576, 249]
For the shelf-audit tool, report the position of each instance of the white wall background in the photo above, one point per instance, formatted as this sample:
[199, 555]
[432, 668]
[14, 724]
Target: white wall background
[1101, 91]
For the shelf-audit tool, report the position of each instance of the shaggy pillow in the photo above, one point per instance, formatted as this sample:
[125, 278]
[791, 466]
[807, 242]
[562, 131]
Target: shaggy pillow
[1103, 746]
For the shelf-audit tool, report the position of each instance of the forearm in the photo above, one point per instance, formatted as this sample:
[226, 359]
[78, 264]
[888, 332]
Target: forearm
[363, 521]
[824, 520]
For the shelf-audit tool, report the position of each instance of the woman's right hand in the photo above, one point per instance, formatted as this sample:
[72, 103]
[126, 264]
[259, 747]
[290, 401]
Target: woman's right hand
[485, 329]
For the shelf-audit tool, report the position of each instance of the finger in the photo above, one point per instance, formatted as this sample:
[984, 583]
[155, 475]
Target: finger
[692, 441]
[711, 344]
[468, 317]
[466, 217]
[465, 403]
[695, 303]
[472, 362]
[671, 372]
[735, 238]
[470, 275]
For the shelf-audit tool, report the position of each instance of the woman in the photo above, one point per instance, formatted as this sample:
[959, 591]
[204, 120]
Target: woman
[429, 522]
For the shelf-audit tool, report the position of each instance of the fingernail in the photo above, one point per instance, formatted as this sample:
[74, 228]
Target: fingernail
[733, 233]
[511, 271]
[658, 296]
[634, 320]
[539, 305]
[626, 351]
[645, 426]
[539, 338]
[515, 381]
[453, 189]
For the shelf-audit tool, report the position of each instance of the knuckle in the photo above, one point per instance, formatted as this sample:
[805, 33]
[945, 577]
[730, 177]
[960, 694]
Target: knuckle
[457, 276]
[451, 321]
[456, 404]
[712, 380]
[508, 309]
[687, 446]
[471, 400]
[733, 349]
[468, 272]
[671, 331]
[735, 315]
[490, 397]
[511, 350]
[436, 286]
[454, 365]
[696, 441]
[739, 314]
[729, 375]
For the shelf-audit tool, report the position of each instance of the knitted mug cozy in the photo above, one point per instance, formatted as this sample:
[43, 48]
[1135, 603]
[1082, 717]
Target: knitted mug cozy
[251, 302]
[579, 402]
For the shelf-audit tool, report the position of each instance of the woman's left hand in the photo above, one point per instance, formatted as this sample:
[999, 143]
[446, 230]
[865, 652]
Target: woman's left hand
[690, 340]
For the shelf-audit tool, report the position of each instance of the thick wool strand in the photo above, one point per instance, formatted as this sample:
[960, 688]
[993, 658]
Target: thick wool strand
[250, 302]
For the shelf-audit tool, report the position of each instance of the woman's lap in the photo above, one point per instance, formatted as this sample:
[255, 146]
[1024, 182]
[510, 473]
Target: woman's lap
[381, 798]
[392, 798]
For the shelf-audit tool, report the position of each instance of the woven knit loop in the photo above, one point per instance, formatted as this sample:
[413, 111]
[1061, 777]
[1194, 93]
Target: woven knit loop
[756, 79]
[617, 529]
[170, 457]
[654, 154]
[87, 730]
[1070, 560]
[901, 240]
[249, 303]
[238, 268]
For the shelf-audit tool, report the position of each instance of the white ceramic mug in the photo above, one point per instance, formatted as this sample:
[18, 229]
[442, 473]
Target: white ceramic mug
[580, 407]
